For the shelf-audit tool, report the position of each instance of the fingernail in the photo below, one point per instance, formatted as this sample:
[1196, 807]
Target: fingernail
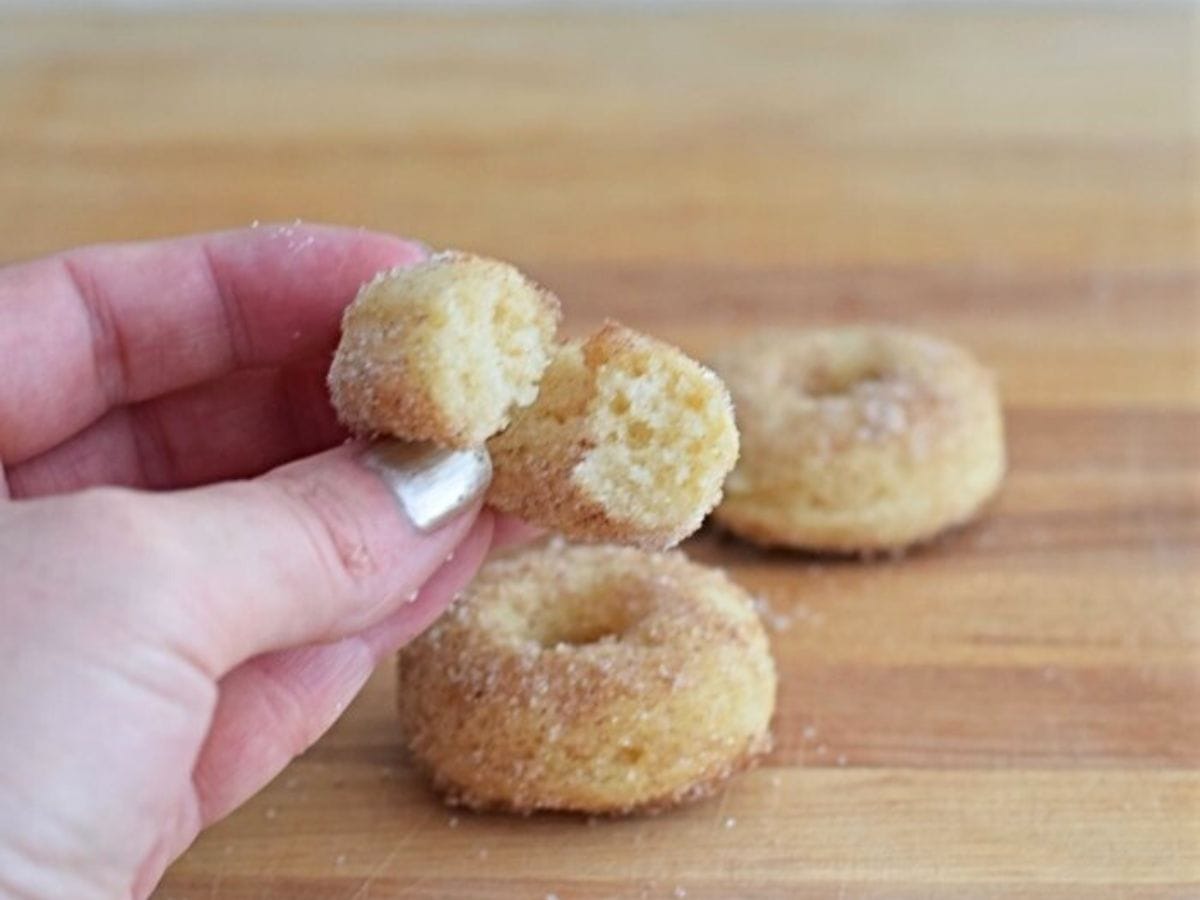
[432, 484]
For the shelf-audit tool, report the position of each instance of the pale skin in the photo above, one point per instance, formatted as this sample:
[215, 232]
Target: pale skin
[197, 575]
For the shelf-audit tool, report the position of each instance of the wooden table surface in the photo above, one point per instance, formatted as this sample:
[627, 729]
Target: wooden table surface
[1013, 712]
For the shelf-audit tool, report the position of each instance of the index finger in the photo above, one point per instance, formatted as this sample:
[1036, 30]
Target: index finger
[99, 327]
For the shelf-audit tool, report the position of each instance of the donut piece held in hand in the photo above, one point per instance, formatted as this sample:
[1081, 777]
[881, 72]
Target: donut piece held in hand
[628, 441]
[858, 439]
[442, 351]
[589, 679]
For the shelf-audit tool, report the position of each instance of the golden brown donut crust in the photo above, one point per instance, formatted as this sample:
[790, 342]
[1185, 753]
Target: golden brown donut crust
[594, 679]
[629, 441]
[858, 439]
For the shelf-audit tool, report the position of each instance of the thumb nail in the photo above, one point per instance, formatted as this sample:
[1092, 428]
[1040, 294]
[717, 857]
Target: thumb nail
[432, 484]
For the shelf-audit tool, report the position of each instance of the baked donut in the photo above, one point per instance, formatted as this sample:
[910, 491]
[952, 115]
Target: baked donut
[857, 439]
[629, 441]
[591, 679]
[442, 351]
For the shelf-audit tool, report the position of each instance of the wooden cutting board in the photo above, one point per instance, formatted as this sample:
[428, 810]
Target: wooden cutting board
[1012, 712]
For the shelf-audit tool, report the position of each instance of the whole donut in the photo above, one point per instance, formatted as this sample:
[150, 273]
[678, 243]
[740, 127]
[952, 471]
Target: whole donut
[857, 439]
[596, 679]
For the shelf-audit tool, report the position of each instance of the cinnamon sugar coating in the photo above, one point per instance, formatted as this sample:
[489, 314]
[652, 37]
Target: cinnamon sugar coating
[858, 439]
[595, 679]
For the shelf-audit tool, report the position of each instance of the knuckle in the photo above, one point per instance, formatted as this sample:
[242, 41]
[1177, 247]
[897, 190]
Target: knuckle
[334, 527]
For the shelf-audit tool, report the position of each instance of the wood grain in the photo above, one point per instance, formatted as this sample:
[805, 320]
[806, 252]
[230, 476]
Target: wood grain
[1010, 712]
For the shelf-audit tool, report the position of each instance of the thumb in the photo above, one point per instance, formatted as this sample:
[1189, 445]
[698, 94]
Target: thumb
[165, 594]
[313, 551]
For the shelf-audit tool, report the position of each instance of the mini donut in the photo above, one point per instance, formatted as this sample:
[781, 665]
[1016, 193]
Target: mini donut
[442, 351]
[593, 679]
[858, 439]
[629, 441]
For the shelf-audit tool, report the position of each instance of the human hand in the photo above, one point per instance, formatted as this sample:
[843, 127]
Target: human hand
[178, 618]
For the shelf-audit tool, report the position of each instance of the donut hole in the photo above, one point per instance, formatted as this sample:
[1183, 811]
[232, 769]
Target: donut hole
[599, 614]
[838, 381]
[580, 634]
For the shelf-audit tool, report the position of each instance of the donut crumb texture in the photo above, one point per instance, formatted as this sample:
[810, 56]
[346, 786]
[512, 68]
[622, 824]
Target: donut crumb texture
[629, 440]
[442, 351]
